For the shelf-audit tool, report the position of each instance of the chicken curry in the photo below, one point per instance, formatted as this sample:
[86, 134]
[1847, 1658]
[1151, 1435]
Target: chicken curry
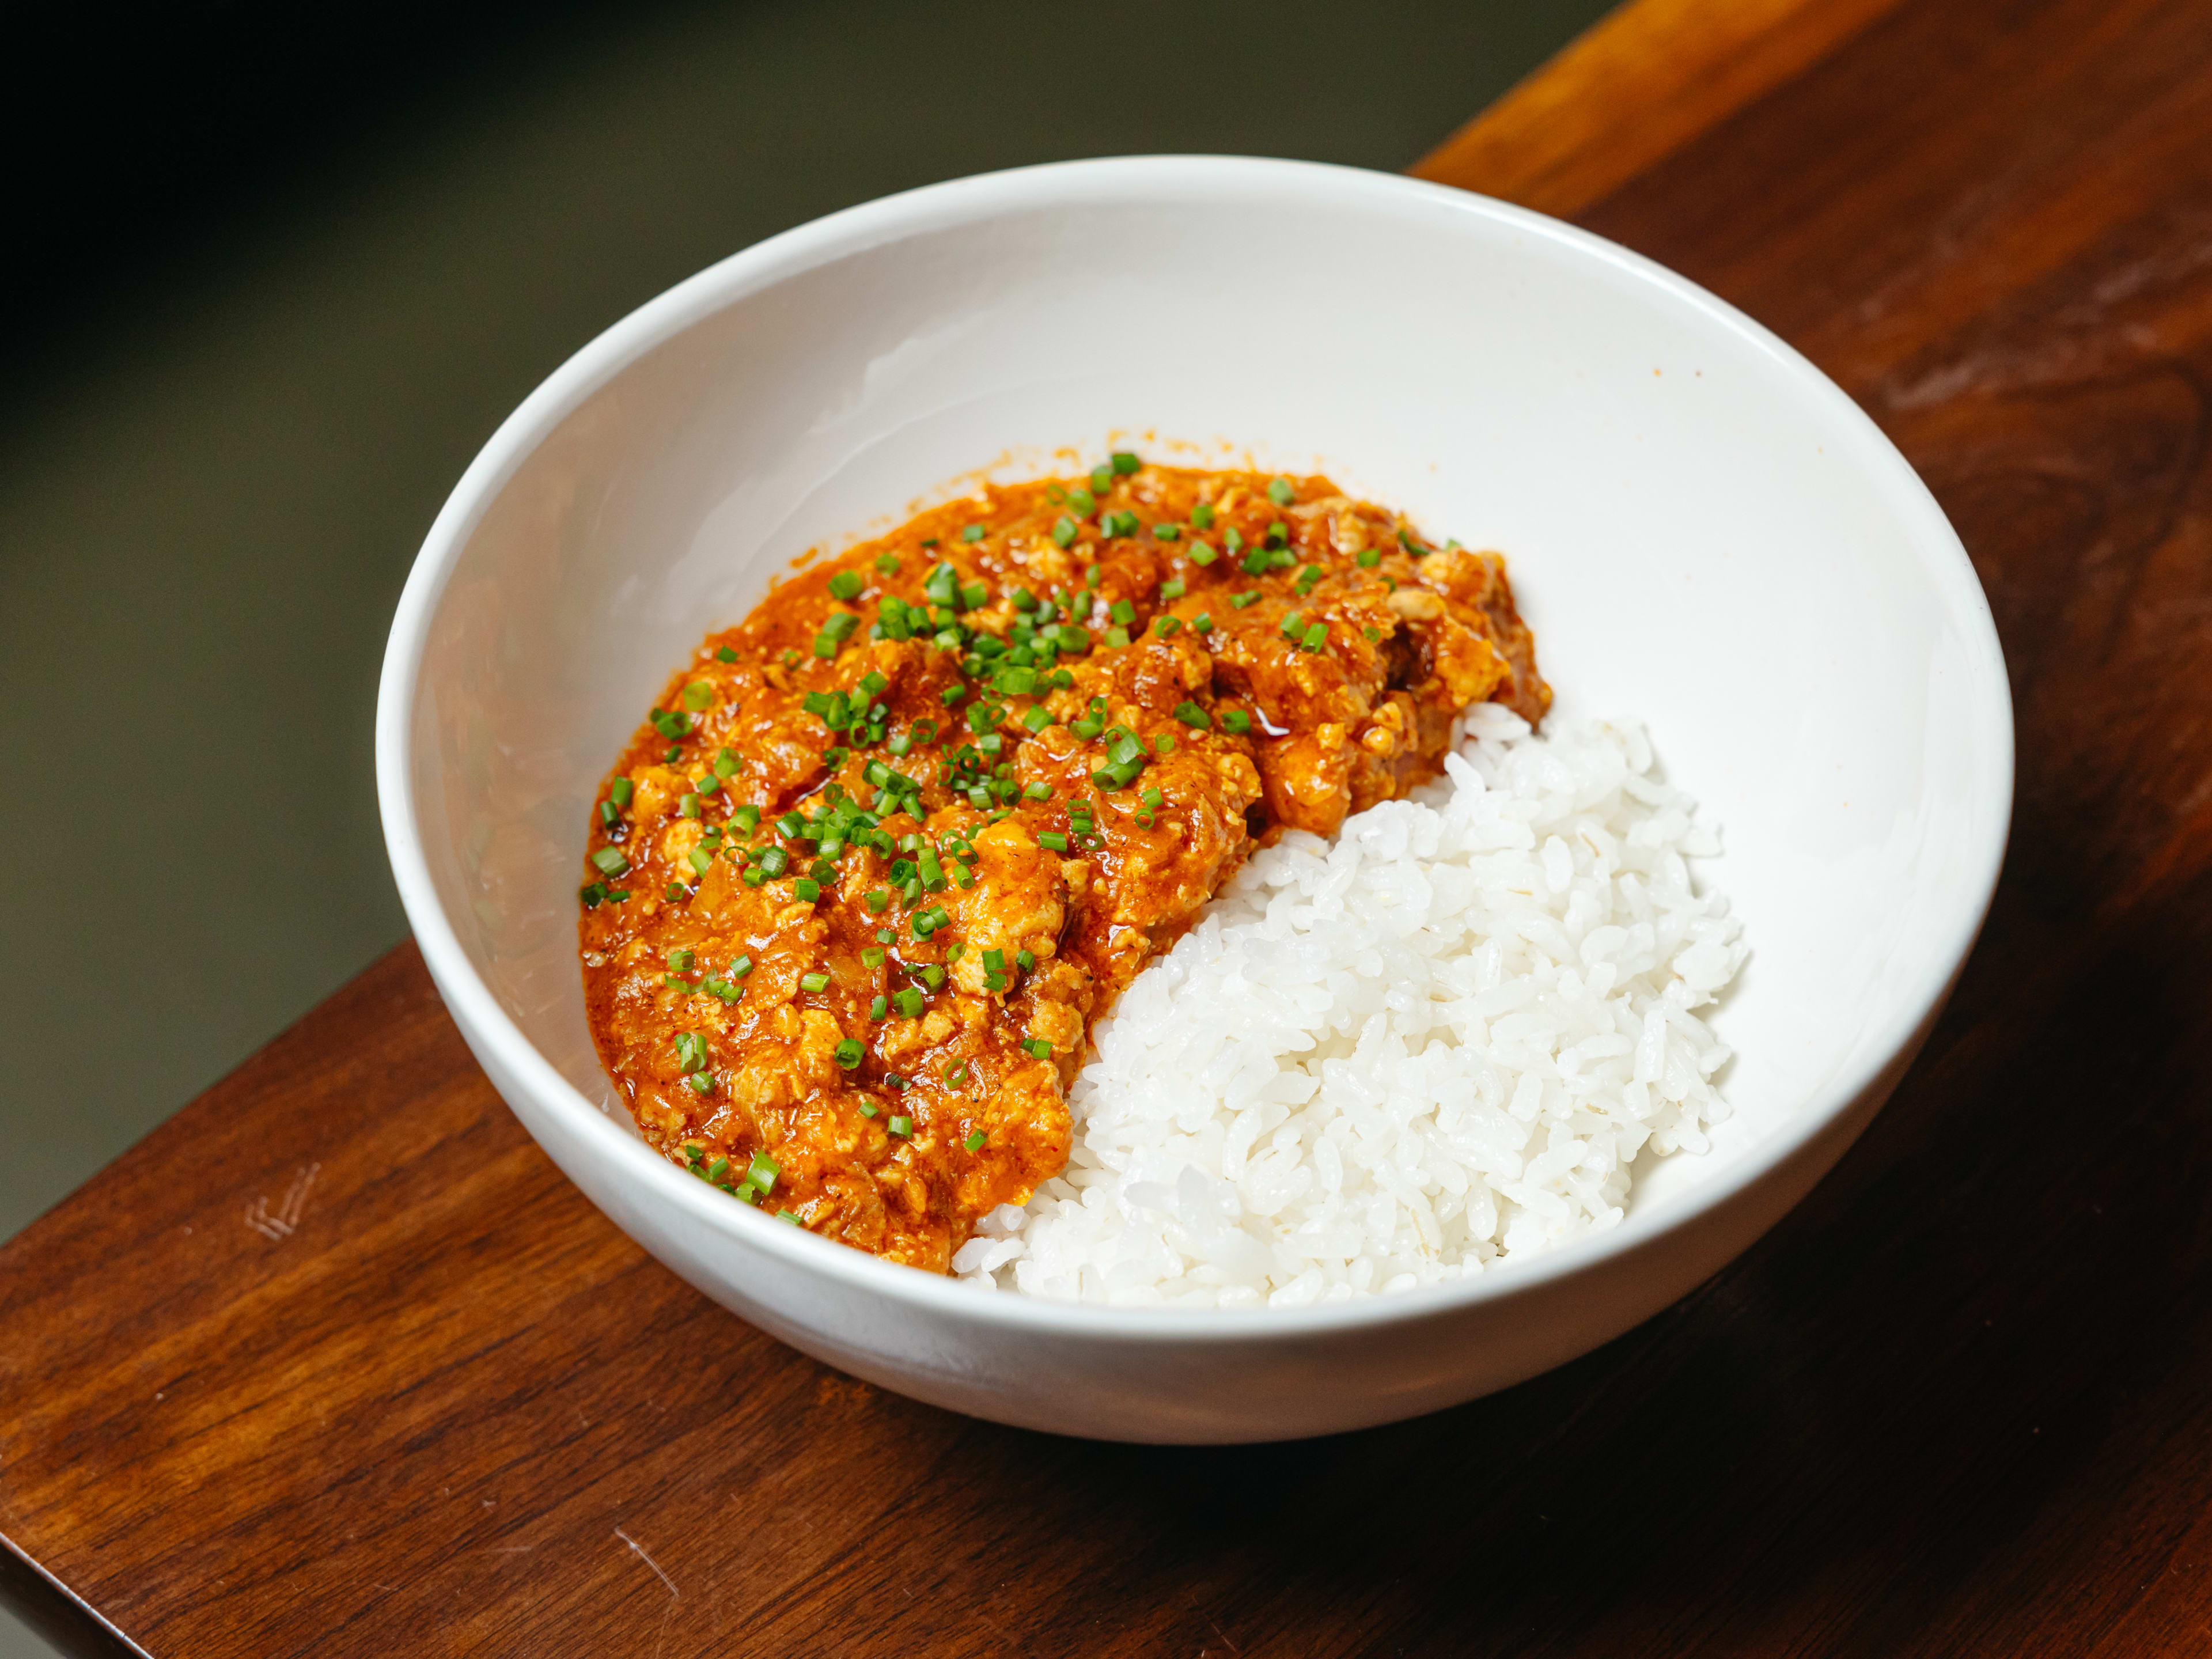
[887, 849]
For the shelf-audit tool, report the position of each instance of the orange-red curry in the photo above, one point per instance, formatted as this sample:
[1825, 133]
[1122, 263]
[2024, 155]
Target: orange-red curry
[888, 847]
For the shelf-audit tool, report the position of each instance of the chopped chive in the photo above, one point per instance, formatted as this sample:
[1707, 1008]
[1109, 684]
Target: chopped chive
[785, 1215]
[1234, 722]
[1202, 515]
[1372, 634]
[620, 792]
[1117, 637]
[847, 584]
[995, 961]
[701, 1082]
[610, 862]
[1037, 719]
[1124, 462]
[848, 1053]
[975, 1142]
[869, 1108]
[1315, 637]
[762, 1173]
[1173, 590]
[1167, 626]
[1123, 613]
[887, 563]
[608, 815]
[877, 901]
[1202, 623]
[1152, 797]
[814, 982]
[1052, 839]
[956, 1073]
[700, 859]
[1024, 960]
[1167, 533]
[698, 695]
[1411, 545]
[1064, 530]
[873, 955]
[806, 889]
[901, 1126]
[1037, 791]
[1191, 714]
[1368, 558]
[1201, 554]
[973, 532]
[1039, 1049]
[1250, 597]
[746, 818]
[1280, 492]
[878, 1007]
[910, 1003]
[725, 654]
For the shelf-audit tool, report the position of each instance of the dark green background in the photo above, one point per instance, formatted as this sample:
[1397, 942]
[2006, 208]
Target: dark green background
[269, 327]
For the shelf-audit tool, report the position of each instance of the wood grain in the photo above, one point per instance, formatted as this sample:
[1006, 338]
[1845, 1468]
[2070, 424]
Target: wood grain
[1633, 89]
[1959, 1402]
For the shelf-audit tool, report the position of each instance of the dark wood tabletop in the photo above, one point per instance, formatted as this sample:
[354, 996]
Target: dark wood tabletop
[336, 1363]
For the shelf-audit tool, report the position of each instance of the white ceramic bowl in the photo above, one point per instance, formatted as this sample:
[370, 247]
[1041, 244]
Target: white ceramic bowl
[1703, 531]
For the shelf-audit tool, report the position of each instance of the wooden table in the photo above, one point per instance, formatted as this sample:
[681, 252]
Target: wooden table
[335, 1363]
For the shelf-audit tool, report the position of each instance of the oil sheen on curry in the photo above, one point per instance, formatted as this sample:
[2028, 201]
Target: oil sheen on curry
[887, 849]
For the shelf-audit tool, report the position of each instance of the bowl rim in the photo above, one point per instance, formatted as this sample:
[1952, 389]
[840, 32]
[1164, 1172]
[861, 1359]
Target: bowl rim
[1159, 179]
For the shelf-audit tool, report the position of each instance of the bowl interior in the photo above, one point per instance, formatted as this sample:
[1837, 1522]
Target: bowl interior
[1703, 534]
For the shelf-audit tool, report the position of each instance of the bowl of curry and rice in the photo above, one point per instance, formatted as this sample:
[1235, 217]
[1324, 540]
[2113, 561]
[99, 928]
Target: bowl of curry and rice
[1193, 799]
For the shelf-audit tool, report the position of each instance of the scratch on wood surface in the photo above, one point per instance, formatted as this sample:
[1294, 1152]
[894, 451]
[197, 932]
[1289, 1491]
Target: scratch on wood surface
[1222, 1633]
[284, 1220]
[647, 1560]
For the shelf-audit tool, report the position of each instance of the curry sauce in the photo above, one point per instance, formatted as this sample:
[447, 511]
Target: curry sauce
[886, 850]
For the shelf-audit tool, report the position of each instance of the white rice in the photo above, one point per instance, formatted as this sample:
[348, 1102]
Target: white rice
[1435, 1046]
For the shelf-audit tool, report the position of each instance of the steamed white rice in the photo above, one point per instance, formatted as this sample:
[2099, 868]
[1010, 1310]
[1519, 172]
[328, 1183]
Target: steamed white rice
[1436, 1045]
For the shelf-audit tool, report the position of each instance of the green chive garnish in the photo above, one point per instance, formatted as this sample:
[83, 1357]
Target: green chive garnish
[849, 1052]
[610, 862]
